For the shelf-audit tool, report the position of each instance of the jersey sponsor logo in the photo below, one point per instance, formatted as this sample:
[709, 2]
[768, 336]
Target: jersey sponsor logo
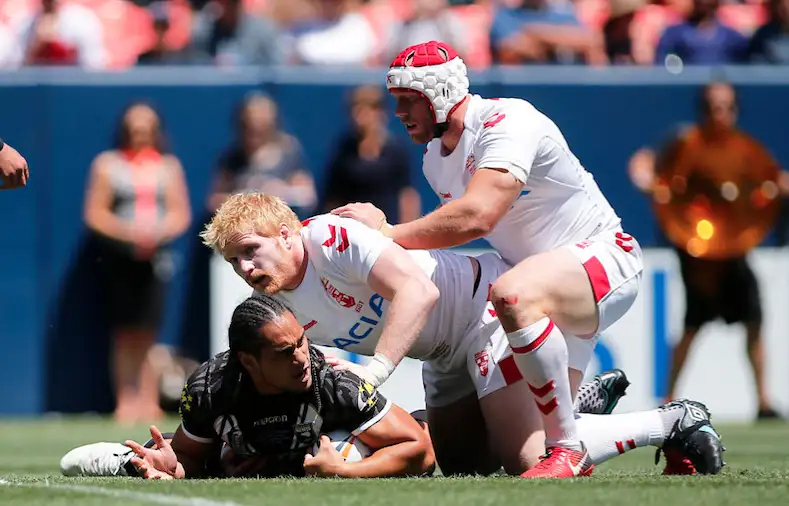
[271, 419]
[342, 299]
[445, 195]
[494, 120]
[343, 243]
[481, 358]
[310, 325]
[364, 326]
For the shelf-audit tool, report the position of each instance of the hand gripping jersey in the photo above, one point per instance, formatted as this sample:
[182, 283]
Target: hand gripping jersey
[337, 307]
[560, 203]
[219, 402]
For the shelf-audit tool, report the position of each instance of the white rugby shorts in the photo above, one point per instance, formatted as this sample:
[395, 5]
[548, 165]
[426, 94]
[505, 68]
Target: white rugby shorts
[614, 263]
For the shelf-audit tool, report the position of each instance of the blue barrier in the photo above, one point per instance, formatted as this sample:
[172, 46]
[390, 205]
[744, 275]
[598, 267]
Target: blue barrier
[52, 332]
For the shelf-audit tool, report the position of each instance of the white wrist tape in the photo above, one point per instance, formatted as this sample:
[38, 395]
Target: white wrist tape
[380, 368]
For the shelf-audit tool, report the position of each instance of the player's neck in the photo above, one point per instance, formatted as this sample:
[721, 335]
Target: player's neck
[301, 259]
[451, 138]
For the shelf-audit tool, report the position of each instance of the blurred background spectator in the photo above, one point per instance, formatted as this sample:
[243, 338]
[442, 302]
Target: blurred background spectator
[430, 20]
[718, 284]
[371, 165]
[121, 33]
[264, 158]
[136, 204]
[770, 43]
[162, 52]
[336, 34]
[57, 33]
[225, 33]
[701, 39]
[537, 31]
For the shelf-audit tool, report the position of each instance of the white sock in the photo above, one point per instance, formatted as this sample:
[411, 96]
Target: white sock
[608, 436]
[541, 355]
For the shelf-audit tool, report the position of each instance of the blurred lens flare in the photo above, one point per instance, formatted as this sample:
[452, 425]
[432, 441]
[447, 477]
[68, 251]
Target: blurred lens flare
[715, 212]
[705, 230]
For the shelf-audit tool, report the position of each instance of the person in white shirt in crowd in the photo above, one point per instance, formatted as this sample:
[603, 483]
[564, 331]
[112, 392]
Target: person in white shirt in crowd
[58, 34]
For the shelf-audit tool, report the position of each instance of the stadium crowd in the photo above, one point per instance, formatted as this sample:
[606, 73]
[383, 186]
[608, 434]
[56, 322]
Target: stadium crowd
[118, 34]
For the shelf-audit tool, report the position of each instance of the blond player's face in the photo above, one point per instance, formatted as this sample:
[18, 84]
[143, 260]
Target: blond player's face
[265, 263]
[413, 110]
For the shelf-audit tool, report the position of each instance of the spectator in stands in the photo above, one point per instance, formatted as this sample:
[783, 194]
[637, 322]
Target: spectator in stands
[431, 20]
[160, 53]
[68, 34]
[225, 34]
[701, 39]
[264, 158]
[370, 164]
[538, 31]
[770, 43]
[617, 31]
[714, 288]
[339, 35]
[136, 205]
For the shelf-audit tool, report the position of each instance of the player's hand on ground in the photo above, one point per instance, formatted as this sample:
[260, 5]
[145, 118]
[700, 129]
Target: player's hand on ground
[13, 169]
[326, 462]
[363, 212]
[158, 463]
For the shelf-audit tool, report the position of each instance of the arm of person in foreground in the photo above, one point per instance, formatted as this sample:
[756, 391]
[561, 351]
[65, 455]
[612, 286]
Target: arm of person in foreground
[400, 446]
[506, 150]
[14, 172]
[367, 256]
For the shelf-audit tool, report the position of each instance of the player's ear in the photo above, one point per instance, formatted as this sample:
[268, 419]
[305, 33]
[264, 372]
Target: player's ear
[249, 362]
[287, 235]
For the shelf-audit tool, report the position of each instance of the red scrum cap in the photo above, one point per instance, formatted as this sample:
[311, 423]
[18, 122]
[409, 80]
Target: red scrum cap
[434, 70]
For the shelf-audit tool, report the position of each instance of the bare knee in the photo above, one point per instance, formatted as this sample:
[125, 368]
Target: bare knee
[515, 306]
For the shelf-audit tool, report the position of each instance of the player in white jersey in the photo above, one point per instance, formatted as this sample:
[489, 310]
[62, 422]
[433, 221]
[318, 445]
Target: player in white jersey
[354, 289]
[504, 172]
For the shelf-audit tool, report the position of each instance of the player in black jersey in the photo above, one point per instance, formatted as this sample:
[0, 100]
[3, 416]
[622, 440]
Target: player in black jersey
[268, 400]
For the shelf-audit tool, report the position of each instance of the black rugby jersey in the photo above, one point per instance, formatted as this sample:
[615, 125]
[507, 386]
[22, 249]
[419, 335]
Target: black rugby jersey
[220, 402]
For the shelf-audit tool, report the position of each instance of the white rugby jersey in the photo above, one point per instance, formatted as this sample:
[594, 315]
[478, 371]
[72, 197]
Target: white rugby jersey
[338, 308]
[560, 202]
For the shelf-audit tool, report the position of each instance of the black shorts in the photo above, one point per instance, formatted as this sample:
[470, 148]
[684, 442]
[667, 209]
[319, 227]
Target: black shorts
[135, 291]
[719, 288]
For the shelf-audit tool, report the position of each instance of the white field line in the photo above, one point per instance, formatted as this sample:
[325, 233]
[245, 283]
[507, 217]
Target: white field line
[125, 494]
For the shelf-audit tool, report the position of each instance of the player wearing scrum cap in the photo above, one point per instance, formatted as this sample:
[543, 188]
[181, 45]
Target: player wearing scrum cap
[354, 289]
[504, 172]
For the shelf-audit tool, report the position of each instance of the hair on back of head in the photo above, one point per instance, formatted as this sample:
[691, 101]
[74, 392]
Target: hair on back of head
[248, 318]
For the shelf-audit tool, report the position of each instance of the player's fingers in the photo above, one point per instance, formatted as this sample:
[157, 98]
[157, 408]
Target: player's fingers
[338, 210]
[157, 437]
[136, 447]
[139, 464]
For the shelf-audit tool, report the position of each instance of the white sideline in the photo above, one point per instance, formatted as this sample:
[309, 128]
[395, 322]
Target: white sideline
[125, 494]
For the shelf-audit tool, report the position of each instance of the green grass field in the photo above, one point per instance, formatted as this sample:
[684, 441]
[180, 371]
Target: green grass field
[757, 475]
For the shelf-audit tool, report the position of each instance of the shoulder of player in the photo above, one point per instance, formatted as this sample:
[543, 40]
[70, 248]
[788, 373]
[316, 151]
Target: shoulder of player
[208, 372]
[339, 384]
[506, 112]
